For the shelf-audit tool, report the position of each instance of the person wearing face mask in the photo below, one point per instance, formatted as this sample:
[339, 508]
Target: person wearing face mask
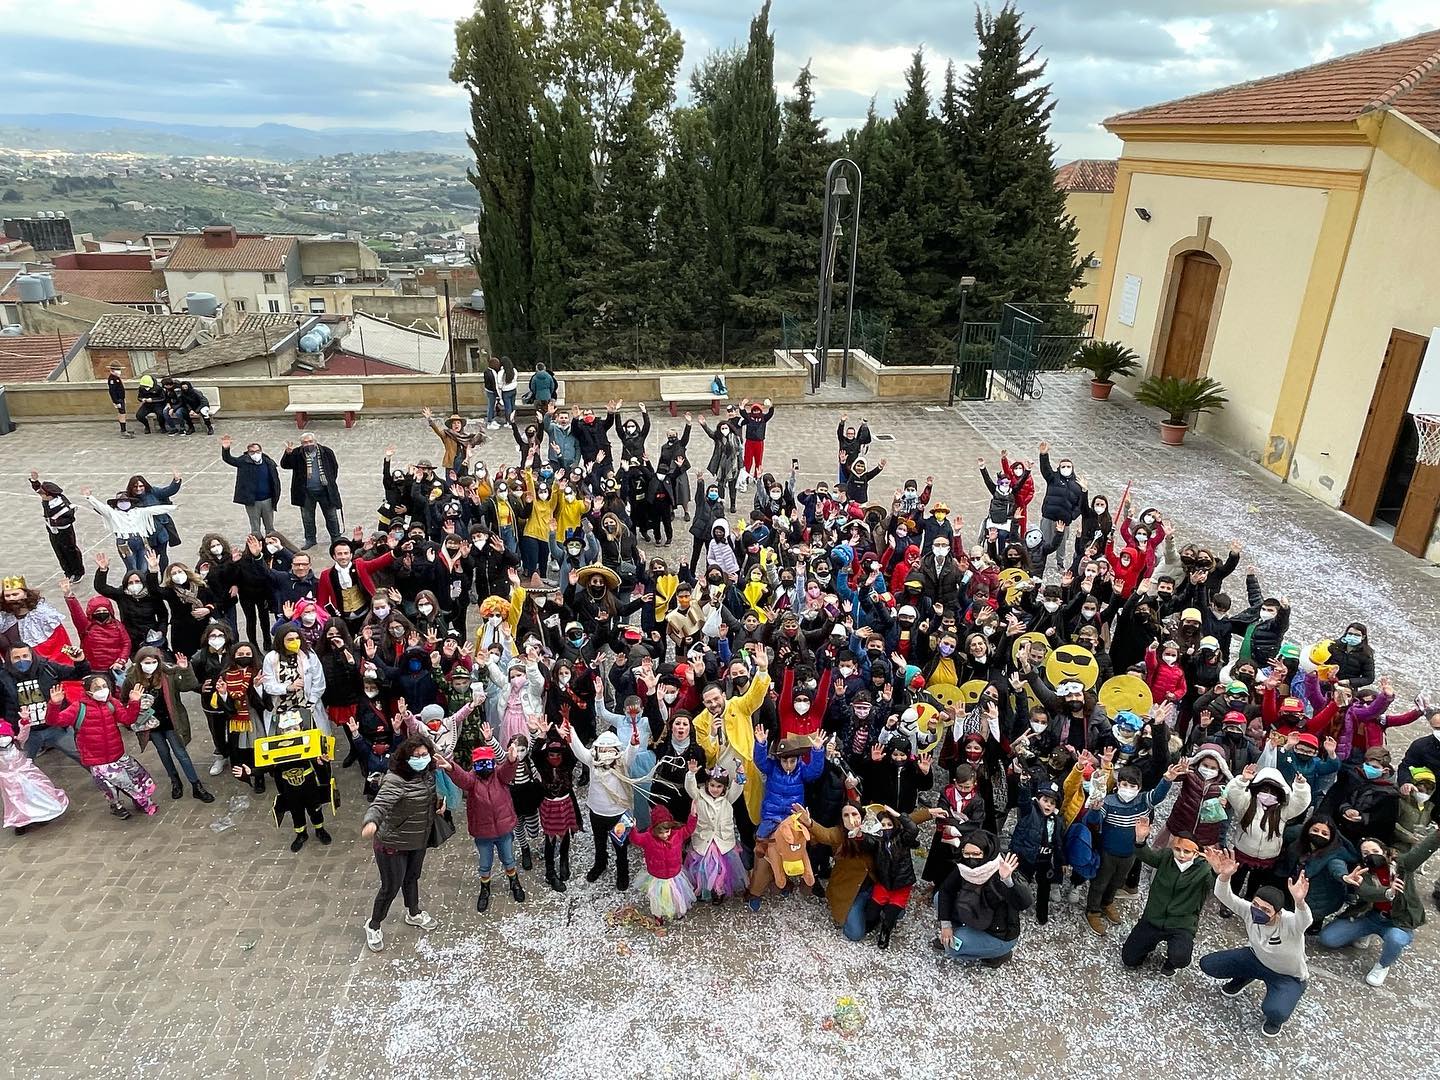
[1416, 811]
[191, 606]
[133, 526]
[257, 484]
[59, 515]
[1038, 841]
[673, 467]
[1353, 657]
[1264, 625]
[941, 579]
[1365, 800]
[303, 787]
[104, 639]
[1064, 498]
[978, 907]
[142, 609]
[676, 755]
[1325, 857]
[96, 719]
[1178, 891]
[1199, 810]
[1261, 804]
[1118, 817]
[293, 677]
[27, 795]
[208, 663]
[165, 720]
[1163, 672]
[399, 823]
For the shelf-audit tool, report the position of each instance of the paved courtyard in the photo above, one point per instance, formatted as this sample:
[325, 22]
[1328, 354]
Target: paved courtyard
[196, 944]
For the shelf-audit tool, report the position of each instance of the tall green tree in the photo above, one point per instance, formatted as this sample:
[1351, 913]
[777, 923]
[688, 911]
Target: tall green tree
[689, 289]
[1003, 147]
[745, 117]
[877, 282]
[620, 293]
[492, 67]
[560, 209]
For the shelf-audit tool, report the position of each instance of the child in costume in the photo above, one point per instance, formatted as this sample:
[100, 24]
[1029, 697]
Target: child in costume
[526, 792]
[441, 730]
[663, 844]
[714, 863]
[27, 795]
[97, 720]
[489, 815]
[559, 810]
[302, 788]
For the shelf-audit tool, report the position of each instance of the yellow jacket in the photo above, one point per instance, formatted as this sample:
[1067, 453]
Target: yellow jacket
[739, 740]
[1073, 793]
[568, 514]
[541, 522]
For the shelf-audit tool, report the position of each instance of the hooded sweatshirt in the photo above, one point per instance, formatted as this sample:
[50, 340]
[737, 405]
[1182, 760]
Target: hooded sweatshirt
[1254, 841]
[106, 644]
[719, 552]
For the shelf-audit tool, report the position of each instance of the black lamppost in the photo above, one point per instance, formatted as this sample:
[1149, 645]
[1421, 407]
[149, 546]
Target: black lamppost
[444, 276]
[837, 187]
[966, 284]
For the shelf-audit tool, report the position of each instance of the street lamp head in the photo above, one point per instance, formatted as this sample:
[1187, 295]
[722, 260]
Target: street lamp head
[841, 188]
[837, 233]
[967, 282]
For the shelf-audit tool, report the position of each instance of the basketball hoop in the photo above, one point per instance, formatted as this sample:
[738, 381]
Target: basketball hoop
[1428, 427]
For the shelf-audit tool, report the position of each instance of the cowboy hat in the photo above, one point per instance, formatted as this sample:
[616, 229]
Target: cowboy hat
[609, 576]
[536, 584]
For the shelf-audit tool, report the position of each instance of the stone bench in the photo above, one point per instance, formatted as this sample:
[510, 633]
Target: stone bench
[677, 390]
[328, 399]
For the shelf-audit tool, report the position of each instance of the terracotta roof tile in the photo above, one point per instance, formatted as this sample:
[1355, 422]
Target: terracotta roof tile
[144, 332]
[32, 357]
[1402, 75]
[466, 324]
[109, 286]
[1086, 176]
[261, 253]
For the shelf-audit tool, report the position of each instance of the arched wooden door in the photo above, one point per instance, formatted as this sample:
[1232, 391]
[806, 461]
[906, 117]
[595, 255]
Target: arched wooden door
[1197, 275]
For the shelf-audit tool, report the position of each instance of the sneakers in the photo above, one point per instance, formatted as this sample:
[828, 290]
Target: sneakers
[120, 812]
[374, 938]
[1111, 914]
[1074, 894]
[753, 903]
[1127, 893]
[1271, 1030]
[218, 765]
[1377, 974]
[424, 920]
[1232, 988]
[1097, 924]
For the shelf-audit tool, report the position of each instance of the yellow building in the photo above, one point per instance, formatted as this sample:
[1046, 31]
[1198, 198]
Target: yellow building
[1089, 186]
[1283, 237]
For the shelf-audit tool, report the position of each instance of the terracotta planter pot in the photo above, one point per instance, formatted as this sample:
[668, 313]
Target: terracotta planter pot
[1100, 389]
[1172, 434]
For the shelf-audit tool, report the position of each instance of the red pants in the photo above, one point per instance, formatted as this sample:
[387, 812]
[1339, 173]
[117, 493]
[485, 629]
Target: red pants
[754, 454]
[899, 897]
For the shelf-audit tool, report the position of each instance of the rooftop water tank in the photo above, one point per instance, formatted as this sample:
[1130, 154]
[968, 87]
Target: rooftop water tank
[315, 340]
[30, 288]
[477, 300]
[47, 283]
[202, 304]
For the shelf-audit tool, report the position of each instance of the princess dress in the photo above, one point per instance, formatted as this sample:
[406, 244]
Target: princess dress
[670, 898]
[715, 873]
[26, 793]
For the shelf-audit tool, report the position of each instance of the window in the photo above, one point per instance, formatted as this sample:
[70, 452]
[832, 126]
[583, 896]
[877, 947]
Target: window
[141, 362]
[317, 305]
[240, 306]
[269, 279]
[273, 306]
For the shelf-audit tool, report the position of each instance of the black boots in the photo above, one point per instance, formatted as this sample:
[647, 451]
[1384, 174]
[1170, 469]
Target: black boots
[889, 916]
[516, 890]
[622, 870]
[526, 862]
[565, 857]
[300, 837]
[197, 789]
[259, 783]
[321, 834]
[482, 902]
[176, 788]
[551, 878]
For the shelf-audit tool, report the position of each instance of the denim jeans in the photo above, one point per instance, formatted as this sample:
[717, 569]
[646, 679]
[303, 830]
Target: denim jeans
[486, 846]
[976, 945]
[854, 928]
[491, 398]
[167, 743]
[1282, 992]
[1343, 932]
[132, 550]
[43, 737]
[508, 397]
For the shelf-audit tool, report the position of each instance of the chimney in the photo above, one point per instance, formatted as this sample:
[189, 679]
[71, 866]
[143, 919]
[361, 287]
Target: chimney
[219, 236]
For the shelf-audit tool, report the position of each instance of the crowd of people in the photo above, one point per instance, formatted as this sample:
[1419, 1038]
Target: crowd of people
[831, 692]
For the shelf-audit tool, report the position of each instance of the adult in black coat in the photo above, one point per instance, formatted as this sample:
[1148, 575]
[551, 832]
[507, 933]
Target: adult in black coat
[941, 579]
[979, 915]
[1064, 500]
[257, 484]
[313, 475]
[143, 612]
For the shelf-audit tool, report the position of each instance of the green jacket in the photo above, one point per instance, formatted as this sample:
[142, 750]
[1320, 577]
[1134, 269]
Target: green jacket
[1407, 911]
[1411, 822]
[1176, 896]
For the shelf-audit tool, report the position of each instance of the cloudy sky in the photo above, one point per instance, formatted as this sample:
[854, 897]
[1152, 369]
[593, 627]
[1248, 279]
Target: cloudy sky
[383, 63]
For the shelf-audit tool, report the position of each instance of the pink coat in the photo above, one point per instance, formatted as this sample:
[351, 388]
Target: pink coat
[663, 858]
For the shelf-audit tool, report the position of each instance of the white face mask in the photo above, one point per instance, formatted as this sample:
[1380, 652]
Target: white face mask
[309, 618]
[846, 672]
[217, 549]
[425, 609]
[135, 588]
[380, 612]
[1052, 605]
[100, 693]
[149, 666]
[1065, 470]
[1422, 797]
[1184, 864]
[177, 579]
[272, 547]
[801, 707]
[257, 457]
[563, 680]
[1207, 772]
[671, 697]
[1127, 794]
[217, 642]
[493, 620]
[1266, 616]
[1038, 726]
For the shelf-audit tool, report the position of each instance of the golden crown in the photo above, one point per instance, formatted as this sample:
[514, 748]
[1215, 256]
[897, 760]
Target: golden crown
[16, 582]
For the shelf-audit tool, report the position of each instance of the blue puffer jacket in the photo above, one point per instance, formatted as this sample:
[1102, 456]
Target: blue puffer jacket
[1064, 497]
[782, 788]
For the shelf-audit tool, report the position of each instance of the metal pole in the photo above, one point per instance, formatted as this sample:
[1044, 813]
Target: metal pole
[850, 291]
[450, 351]
[821, 317]
[960, 347]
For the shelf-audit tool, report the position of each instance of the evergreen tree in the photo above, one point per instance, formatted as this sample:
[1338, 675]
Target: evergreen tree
[559, 213]
[620, 295]
[1003, 148]
[689, 292]
[491, 67]
[876, 280]
[745, 117]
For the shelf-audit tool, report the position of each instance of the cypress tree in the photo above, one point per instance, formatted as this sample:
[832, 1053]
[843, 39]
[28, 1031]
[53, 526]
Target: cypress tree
[490, 65]
[559, 212]
[688, 289]
[1003, 147]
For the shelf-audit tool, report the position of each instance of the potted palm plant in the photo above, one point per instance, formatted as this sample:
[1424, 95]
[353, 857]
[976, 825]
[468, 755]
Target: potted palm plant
[1104, 360]
[1180, 399]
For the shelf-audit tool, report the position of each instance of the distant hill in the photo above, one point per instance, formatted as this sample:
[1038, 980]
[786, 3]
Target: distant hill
[271, 142]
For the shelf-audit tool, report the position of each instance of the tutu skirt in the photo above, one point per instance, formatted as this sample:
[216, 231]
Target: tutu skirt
[670, 898]
[716, 873]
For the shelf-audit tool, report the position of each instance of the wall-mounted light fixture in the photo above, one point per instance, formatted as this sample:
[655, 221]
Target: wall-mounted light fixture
[1142, 213]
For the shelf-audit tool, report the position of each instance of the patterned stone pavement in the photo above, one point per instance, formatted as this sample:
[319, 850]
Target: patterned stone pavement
[173, 946]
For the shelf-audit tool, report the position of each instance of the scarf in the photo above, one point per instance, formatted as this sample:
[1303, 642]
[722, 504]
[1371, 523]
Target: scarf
[342, 577]
[979, 875]
[237, 684]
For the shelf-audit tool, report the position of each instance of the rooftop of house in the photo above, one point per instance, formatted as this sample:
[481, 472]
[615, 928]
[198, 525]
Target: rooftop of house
[1086, 176]
[108, 286]
[33, 357]
[1401, 75]
[144, 332]
[222, 249]
[466, 324]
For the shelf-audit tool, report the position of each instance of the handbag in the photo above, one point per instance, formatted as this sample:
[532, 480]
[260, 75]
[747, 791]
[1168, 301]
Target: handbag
[442, 827]
[1211, 811]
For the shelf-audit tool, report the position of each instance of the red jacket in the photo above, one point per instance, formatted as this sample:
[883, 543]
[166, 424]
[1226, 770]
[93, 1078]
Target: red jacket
[791, 723]
[106, 644]
[1127, 577]
[489, 811]
[98, 739]
[1024, 491]
[663, 860]
[361, 569]
[1164, 680]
